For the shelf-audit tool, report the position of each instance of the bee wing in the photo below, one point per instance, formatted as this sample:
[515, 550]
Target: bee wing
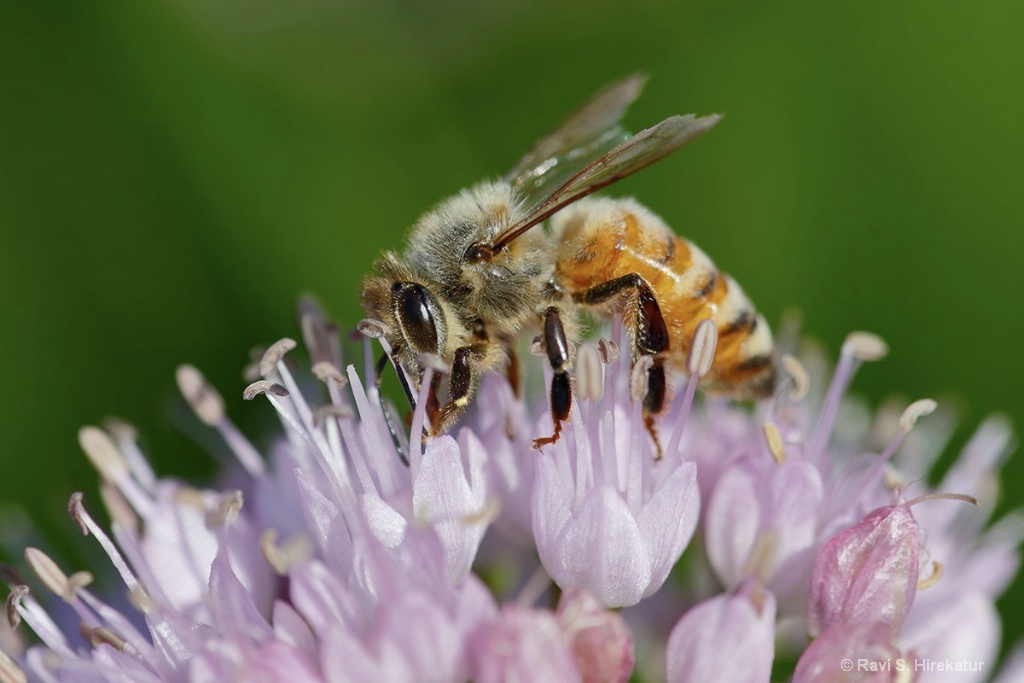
[590, 131]
[626, 158]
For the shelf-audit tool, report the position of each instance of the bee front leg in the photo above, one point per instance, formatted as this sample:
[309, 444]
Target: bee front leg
[377, 377]
[460, 388]
[556, 347]
[650, 337]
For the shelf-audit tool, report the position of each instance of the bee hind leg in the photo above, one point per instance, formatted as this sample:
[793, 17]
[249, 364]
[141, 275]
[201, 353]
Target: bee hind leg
[650, 337]
[556, 346]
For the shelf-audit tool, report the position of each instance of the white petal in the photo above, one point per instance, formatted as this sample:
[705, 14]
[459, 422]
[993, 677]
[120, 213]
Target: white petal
[668, 520]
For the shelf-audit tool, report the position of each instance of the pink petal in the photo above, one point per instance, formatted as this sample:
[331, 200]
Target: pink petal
[601, 642]
[867, 573]
[522, 645]
[854, 653]
[729, 638]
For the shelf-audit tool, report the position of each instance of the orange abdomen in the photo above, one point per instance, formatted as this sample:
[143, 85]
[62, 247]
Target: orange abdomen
[602, 239]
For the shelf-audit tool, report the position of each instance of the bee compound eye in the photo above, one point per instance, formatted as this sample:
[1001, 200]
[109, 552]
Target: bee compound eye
[418, 313]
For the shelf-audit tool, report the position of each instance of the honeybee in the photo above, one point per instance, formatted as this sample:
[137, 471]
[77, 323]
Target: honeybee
[478, 270]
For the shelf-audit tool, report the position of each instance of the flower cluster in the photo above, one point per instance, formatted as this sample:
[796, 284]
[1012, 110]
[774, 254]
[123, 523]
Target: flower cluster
[348, 553]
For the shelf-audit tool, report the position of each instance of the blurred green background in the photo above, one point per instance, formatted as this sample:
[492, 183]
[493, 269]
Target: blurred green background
[173, 174]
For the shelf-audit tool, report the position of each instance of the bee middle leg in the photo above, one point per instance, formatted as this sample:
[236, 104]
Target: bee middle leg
[556, 346]
[650, 336]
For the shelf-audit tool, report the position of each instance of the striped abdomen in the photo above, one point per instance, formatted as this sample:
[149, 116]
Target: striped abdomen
[602, 239]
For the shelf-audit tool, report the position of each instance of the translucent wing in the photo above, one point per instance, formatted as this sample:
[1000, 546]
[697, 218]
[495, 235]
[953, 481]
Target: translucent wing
[626, 158]
[584, 136]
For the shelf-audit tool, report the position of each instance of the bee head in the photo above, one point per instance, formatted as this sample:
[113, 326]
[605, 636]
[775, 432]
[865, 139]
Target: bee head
[416, 321]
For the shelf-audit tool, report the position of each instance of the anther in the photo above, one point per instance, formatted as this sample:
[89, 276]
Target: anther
[485, 515]
[774, 439]
[261, 387]
[374, 329]
[915, 411]
[226, 512]
[76, 510]
[14, 602]
[892, 479]
[589, 384]
[933, 578]
[762, 554]
[205, 401]
[100, 635]
[273, 355]
[327, 373]
[702, 349]
[140, 600]
[102, 453]
[55, 580]
[962, 497]
[865, 346]
[638, 378]
[120, 430]
[282, 558]
[608, 350]
[321, 414]
[11, 672]
[798, 374]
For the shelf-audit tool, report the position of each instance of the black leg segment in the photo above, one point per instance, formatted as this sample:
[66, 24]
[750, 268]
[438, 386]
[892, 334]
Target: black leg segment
[460, 386]
[650, 336]
[556, 346]
[377, 376]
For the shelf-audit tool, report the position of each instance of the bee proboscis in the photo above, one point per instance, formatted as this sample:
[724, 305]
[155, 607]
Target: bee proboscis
[478, 270]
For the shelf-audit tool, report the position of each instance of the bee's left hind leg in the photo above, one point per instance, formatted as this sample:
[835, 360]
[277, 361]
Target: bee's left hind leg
[556, 346]
[650, 337]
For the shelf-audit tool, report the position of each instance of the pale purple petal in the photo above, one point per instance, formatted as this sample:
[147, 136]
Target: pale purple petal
[599, 548]
[231, 604]
[262, 662]
[964, 628]
[1012, 670]
[727, 639]
[667, 522]
[291, 629]
[451, 496]
[731, 523]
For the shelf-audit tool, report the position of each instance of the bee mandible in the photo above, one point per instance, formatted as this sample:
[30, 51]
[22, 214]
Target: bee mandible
[478, 270]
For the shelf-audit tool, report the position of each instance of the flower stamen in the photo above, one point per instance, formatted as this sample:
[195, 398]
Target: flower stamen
[774, 439]
[933, 578]
[798, 376]
[589, 382]
[282, 558]
[100, 635]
